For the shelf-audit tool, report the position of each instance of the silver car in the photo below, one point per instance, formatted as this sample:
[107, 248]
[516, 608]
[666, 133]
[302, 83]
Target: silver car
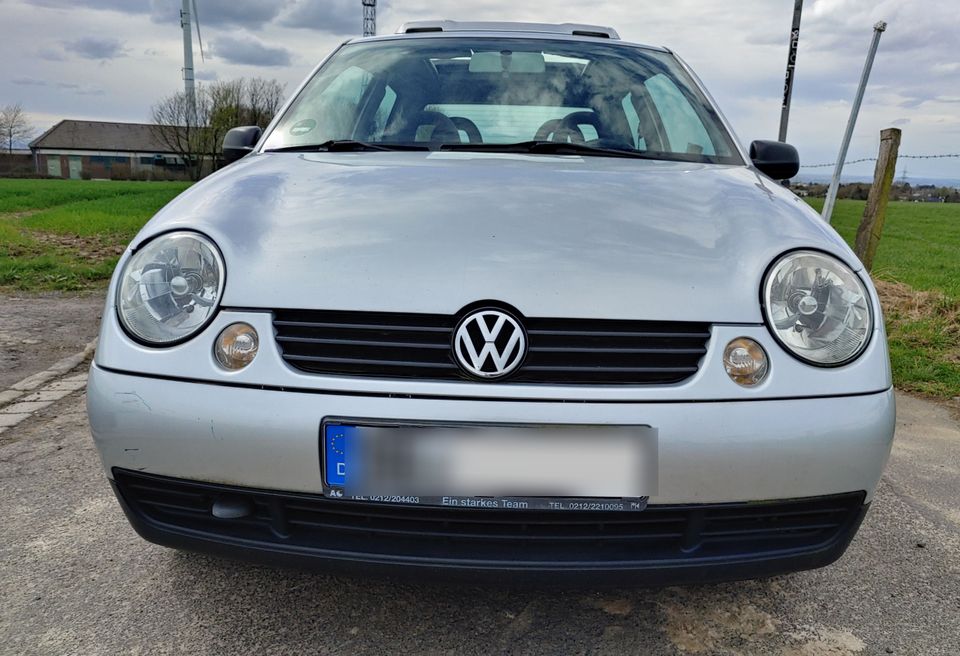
[498, 300]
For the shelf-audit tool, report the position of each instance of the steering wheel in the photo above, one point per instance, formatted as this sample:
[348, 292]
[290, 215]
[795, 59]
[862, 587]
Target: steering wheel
[468, 126]
[444, 129]
[566, 129]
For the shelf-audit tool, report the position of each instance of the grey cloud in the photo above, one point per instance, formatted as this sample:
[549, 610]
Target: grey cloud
[50, 54]
[90, 47]
[80, 90]
[206, 76]
[900, 121]
[911, 103]
[28, 82]
[125, 6]
[249, 51]
[767, 39]
[339, 17]
[845, 26]
[251, 14]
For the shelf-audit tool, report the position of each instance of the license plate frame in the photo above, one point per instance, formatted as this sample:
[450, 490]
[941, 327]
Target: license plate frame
[334, 489]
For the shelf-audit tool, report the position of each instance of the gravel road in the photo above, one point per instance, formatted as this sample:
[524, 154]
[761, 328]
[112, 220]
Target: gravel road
[76, 579]
[36, 330]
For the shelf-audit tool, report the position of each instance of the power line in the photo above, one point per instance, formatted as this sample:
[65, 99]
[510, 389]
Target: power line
[874, 159]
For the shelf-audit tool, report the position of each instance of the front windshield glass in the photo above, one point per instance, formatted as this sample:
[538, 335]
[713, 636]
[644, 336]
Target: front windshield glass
[480, 93]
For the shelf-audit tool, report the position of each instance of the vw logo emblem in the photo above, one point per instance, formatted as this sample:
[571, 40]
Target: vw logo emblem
[489, 344]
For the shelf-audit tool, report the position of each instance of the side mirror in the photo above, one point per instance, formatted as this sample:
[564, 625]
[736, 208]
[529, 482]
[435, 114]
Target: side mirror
[239, 142]
[778, 160]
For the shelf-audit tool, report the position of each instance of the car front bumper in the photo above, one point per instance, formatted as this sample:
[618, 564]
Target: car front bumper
[664, 544]
[262, 446]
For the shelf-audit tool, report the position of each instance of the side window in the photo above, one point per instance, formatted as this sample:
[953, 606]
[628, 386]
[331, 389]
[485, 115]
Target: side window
[684, 128]
[633, 119]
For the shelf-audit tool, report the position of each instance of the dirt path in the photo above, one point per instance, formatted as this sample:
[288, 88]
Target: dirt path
[37, 330]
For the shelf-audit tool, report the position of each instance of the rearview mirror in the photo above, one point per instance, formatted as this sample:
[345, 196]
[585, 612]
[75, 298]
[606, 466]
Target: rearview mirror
[239, 142]
[778, 160]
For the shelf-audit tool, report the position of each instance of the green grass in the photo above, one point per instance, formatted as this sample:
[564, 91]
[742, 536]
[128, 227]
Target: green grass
[917, 270]
[23, 195]
[68, 234]
[119, 217]
[920, 245]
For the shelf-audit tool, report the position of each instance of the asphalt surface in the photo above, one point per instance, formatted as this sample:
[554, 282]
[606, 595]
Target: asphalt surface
[36, 330]
[76, 579]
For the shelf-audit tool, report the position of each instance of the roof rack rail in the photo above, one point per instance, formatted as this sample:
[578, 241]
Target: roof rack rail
[573, 29]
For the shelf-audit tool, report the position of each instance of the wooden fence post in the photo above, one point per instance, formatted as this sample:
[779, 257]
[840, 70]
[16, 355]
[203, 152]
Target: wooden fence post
[875, 213]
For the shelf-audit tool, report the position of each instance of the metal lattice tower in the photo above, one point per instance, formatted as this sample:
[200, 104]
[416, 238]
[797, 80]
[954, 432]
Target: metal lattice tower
[188, 83]
[369, 17]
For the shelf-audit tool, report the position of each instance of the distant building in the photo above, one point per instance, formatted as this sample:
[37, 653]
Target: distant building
[98, 149]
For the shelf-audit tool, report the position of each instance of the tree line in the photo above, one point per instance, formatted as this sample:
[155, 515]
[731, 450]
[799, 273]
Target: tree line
[195, 131]
[903, 191]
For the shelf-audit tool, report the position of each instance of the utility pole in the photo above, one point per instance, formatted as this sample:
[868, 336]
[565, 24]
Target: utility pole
[852, 122]
[369, 17]
[188, 84]
[791, 65]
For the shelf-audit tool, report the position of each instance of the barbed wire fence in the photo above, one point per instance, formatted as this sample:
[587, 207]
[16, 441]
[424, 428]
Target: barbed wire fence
[874, 159]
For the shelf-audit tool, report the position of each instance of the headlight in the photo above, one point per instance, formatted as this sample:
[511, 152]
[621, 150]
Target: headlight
[170, 288]
[817, 308]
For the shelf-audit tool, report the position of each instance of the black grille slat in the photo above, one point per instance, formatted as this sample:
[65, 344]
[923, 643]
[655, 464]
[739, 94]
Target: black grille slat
[626, 370]
[368, 362]
[618, 333]
[489, 535]
[560, 351]
[357, 342]
[589, 350]
[658, 534]
[359, 326]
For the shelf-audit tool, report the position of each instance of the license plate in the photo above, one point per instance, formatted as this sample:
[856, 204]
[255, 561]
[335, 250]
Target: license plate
[542, 467]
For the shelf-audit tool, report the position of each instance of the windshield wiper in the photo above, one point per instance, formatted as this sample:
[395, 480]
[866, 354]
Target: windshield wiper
[343, 146]
[550, 148]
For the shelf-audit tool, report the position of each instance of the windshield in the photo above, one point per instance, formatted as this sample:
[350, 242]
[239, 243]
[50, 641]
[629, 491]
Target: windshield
[480, 93]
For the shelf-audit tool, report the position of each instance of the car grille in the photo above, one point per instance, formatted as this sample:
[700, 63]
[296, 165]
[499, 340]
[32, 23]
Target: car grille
[560, 351]
[682, 533]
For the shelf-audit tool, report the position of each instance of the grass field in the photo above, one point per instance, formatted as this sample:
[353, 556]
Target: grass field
[917, 272]
[67, 235]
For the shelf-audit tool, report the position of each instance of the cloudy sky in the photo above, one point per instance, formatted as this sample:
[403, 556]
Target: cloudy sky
[111, 59]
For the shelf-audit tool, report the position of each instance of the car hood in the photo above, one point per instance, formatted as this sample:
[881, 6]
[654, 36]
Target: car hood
[552, 236]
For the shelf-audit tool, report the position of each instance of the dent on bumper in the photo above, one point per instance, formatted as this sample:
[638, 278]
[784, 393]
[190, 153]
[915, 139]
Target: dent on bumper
[708, 452]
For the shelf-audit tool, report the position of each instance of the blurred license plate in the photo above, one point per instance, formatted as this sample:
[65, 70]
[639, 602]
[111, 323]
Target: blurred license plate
[555, 467]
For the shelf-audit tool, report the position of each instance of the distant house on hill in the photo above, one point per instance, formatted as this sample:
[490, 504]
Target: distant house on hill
[99, 149]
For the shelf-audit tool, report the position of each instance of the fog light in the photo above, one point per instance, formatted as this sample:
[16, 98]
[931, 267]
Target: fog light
[236, 346]
[745, 362]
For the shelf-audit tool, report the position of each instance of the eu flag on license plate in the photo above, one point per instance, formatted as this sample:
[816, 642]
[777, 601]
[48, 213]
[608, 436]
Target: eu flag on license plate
[335, 441]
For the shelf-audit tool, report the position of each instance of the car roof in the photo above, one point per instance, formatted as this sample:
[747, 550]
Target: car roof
[571, 31]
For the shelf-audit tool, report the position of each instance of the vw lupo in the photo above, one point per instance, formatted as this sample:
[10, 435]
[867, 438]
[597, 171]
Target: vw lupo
[500, 300]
